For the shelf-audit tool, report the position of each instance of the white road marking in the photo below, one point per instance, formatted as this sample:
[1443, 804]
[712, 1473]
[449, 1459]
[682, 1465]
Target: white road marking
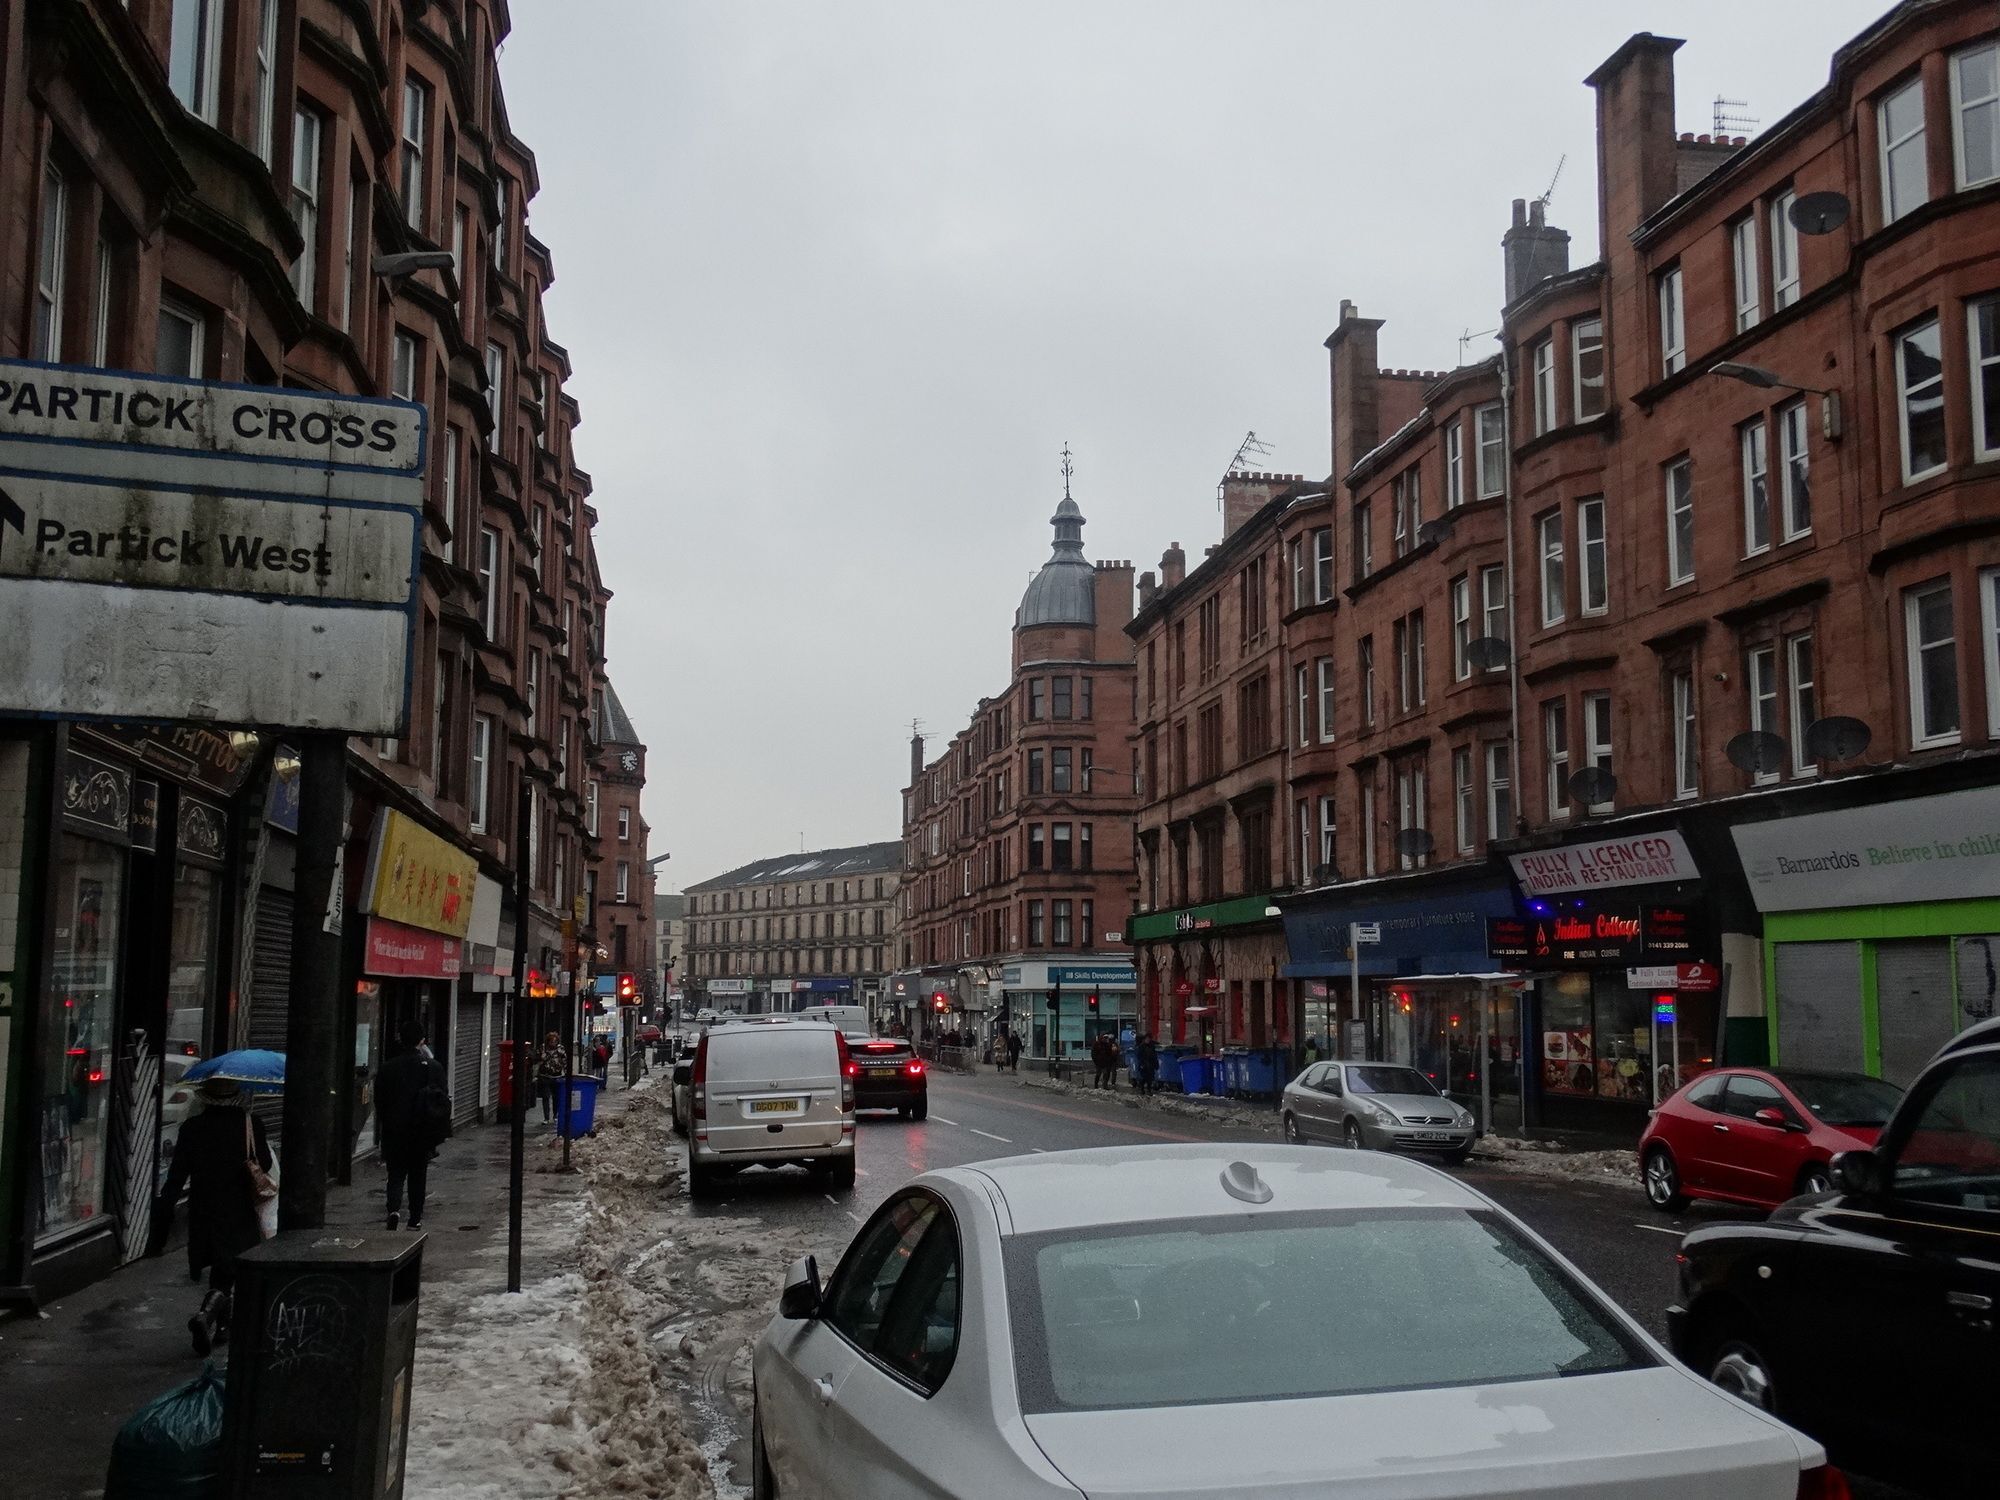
[833, 1200]
[943, 1121]
[1659, 1229]
[990, 1135]
[1042, 1150]
[859, 1172]
[854, 1216]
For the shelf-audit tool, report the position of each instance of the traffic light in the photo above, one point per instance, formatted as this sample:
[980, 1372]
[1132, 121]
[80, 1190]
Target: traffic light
[1092, 1002]
[628, 989]
[940, 1002]
[1055, 997]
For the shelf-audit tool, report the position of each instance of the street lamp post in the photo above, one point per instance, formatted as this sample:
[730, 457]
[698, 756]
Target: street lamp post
[1770, 380]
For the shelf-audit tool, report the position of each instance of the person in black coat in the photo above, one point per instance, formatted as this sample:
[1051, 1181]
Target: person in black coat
[407, 1090]
[211, 1163]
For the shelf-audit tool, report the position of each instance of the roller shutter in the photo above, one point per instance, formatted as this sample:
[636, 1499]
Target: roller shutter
[1913, 1004]
[1819, 1006]
[271, 990]
[466, 1040]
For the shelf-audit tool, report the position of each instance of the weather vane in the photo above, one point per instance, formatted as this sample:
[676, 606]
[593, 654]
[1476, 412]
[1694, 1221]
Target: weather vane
[1068, 469]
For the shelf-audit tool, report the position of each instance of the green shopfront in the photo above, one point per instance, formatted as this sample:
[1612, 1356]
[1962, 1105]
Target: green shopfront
[1212, 975]
[1881, 929]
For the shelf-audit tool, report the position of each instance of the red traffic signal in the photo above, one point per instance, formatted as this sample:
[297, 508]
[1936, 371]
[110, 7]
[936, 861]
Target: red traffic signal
[628, 989]
[940, 1002]
[1092, 1002]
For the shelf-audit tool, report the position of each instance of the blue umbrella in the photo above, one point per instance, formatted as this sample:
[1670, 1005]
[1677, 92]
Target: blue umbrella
[255, 1069]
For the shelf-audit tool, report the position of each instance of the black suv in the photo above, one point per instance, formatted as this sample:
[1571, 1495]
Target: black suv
[888, 1075]
[1867, 1315]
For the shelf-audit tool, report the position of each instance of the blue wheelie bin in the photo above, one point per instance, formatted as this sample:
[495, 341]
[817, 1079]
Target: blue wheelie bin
[579, 1112]
[1260, 1073]
[1194, 1075]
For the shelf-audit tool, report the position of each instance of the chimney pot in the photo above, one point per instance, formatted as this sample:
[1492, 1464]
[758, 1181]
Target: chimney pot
[1520, 211]
[1535, 210]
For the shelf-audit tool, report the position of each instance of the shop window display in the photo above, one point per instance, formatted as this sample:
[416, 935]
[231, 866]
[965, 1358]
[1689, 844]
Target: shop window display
[1597, 1038]
[86, 886]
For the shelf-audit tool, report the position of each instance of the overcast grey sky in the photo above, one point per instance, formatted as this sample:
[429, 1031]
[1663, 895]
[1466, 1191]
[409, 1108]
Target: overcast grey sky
[839, 280]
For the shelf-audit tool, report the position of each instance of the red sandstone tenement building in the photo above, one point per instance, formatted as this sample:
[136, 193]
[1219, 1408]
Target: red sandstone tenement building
[1593, 597]
[1019, 836]
[208, 190]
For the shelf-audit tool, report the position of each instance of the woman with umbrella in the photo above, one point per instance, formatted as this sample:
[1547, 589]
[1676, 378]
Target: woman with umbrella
[226, 1165]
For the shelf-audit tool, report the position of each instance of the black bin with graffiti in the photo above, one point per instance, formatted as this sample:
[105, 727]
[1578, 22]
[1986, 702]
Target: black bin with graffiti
[322, 1341]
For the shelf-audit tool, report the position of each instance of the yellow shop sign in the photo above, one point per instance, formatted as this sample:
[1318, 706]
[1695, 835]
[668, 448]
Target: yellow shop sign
[416, 878]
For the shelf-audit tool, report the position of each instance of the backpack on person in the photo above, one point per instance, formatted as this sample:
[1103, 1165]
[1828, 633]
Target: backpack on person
[433, 1110]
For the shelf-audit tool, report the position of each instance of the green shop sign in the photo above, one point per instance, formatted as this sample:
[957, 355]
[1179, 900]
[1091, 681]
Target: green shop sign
[1242, 912]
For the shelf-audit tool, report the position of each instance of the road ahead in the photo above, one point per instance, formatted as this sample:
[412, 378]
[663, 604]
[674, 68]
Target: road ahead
[1611, 1233]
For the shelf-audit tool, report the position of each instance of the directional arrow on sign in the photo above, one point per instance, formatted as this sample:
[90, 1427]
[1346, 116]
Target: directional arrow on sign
[11, 515]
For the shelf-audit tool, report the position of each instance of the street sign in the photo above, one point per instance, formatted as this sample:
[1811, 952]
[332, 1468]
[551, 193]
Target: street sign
[180, 551]
[1367, 932]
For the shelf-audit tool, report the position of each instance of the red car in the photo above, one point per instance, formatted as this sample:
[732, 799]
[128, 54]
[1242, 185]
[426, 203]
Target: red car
[1759, 1135]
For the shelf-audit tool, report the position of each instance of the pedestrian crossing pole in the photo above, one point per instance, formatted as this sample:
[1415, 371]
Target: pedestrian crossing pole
[312, 1056]
[518, 1111]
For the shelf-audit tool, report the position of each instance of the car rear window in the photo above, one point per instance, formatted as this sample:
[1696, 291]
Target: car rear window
[1845, 1099]
[1199, 1311]
[1387, 1080]
[788, 1051]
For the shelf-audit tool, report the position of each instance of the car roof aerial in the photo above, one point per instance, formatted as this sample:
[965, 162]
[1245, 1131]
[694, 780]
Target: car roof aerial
[1136, 1184]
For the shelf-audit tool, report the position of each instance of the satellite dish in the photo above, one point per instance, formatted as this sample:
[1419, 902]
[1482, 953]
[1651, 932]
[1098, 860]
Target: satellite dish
[1593, 786]
[1415, 843]
[1487, 654]
[1818, 213]
[1435, 530]
[1837, 738]
[1757, 751]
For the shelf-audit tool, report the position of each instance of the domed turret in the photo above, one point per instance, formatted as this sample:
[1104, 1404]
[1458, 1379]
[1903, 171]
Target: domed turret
[1065, 591]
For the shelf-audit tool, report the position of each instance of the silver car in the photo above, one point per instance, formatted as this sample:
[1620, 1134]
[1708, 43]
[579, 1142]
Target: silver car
[1379, 1106]
[1239, 1322]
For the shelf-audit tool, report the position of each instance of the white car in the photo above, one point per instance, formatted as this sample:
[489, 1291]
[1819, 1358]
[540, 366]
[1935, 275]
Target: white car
[1232, 1321]
[768, 1092]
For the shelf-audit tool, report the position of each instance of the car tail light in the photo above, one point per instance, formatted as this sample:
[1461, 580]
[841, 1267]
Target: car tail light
[916, 1068]
[847, 1071]
[1824, 1483]
[699, 1082]
[881, 1046]
[851, 1069]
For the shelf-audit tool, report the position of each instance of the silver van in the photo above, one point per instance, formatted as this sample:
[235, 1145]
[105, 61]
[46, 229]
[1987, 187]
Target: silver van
[769, 1094]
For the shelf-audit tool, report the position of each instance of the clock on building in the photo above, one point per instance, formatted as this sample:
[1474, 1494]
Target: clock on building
[629, 760]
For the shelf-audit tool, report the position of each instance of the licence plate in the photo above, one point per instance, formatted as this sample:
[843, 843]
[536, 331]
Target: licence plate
[882, 1072]
[1431, 1135]
[774, 1106]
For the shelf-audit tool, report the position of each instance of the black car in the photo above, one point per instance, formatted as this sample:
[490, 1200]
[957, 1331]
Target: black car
[1869, 1316]
[888, 1074]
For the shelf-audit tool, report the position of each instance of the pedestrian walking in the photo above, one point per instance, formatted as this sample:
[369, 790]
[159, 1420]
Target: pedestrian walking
[223, 1162]
[1312, 1051]
[1104, 1053]
[1013, 1051]
[551, 1068]
[413, 1114]
[603, 1055]
[1148, 1054]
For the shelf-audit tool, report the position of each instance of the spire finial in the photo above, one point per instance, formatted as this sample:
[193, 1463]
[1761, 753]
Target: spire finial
[1068, 469]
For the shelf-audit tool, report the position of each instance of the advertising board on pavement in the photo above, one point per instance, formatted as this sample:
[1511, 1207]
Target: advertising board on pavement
[180, 551]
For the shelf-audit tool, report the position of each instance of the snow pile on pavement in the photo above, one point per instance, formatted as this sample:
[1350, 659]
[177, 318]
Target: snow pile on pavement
[1552, 1159]
[1255, 1114]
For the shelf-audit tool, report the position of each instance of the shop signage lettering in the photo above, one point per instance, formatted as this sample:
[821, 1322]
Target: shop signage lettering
[416, 878]
[1187, 921]
[398, 952]
[96, 794]
[217, 760]
[1920, 849]
[1668, 930]
[146, 815]
[1642, 860]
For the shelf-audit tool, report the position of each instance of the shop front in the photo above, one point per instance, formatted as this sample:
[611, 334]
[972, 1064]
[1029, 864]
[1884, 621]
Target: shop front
[1418, 987]
[1213, 976]
[1617, 948]
[1881, 929]
[1060, 1006]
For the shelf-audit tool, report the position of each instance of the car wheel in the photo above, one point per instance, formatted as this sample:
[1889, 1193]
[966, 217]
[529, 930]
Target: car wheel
[921, 1110]
[1292, 1136]
[701, 1181]
[1457, 1158]
[903, 1110]
[840, 1177]
[1741, 1369]
[1663, 1181]
[1816, 1178]
[1352, 1135]
[763, 1484]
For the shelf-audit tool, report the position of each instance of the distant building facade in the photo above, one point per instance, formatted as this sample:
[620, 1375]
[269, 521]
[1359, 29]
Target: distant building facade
[803, 929]
[620, 904]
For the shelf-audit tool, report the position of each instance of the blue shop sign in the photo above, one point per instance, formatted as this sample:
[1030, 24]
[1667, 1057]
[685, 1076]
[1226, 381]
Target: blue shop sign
[1113, 976]
[827, 986]
[1443, 934]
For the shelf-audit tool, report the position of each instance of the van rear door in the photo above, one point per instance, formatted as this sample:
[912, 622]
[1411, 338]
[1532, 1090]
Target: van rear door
[761, 1076]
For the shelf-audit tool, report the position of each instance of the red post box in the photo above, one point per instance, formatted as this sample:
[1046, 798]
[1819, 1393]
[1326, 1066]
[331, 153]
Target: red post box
[507, 1073]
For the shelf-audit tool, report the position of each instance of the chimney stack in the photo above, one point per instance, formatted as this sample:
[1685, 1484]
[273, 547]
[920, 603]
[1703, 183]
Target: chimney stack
[1173, 567]
[1244, 494]
[1636, 167]
[1357, 414]
[1148, 586]
[916, 757]
[1532, 250]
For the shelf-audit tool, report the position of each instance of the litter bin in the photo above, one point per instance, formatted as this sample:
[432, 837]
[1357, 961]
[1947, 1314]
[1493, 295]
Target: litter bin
[1194, 1075]
[1260, 1073]
[322, 1343]
[579, 1114]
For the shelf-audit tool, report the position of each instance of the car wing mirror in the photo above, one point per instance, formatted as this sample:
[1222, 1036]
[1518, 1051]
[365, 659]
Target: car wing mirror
[800, 1298]
[1777, 1119]
[1859, 1174]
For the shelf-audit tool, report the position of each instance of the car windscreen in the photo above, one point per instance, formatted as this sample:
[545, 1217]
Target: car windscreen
[1374, 1079]
[1272, 1307]
[768, 1052]
[1845, 1098]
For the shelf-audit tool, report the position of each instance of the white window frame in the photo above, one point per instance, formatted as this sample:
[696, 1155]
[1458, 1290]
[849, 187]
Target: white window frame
[1367, 649]
[1464, 799]
[1753, 446]
[1323, 670]
[1403, 532]
[265, 62]
[1417, 655]
[1329, 829]
[1922, 735]
[1542, 365]
[1555, 758]
[1493, 604]
[1454, 465]
[1368, 854]
[1400, 644]
[415, 142]
[1760, 685]
[625, 825]
[481, 755]
[306, 193]
[51, 264]
[100, 313]
[489, 578]
[1989, 620]
[1492, 456]
[1794, 471]
[1302, 701]
[1499, 784]
[1686, 707]
[1593, 557]
[1551, 568]
[1597, 739]
[590, 807]
[1461, 627]
[1784, 252]
[355, 204]
[1802, 697]
[1985, 368]
[1298, 551]
[1960, 106]
[405, 356]
[1673, 323]
[1904, 392]
[1322, 564]
[1887, 147]
[1412, 795]
[1587, 333]
[1678, 478]
[623, 885]
[1747, 270]
[194, 56]
[1365, 539]
[197, 326]
[453, 439]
